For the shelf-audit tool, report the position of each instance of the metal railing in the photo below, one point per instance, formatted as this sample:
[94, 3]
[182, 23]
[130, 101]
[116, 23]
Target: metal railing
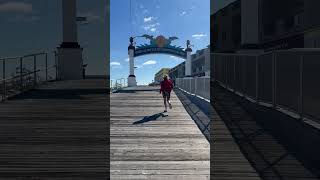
[118, 84]
[285, 80]
[22, 73]
[199, 86]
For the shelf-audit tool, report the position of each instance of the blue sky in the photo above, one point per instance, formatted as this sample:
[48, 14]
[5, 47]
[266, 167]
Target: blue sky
[29, 26]
[186, 19]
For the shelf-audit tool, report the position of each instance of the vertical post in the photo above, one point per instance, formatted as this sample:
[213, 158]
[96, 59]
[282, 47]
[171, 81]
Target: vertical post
[234, 73]
[46, 66]
[131, 61]
[4, 79]
[190, 84]
[213, 74]
[69, 21]
[132, 78]
[226, 70]
[35, 69]
[188, 63]
[204, 87]
[245, 76]
[274, 79]
[21, 75]
[257, 79]
[301, 87]
[188, 68]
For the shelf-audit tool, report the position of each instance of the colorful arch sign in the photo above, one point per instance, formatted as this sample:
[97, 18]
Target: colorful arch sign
[160, 45]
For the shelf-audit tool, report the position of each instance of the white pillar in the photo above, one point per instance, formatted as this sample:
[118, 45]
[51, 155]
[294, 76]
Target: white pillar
[188, 64]
[70, 62]
[132, 78]
[69, 11]
[131, 62]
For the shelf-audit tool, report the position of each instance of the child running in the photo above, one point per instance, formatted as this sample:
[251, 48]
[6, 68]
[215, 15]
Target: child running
[165, 89]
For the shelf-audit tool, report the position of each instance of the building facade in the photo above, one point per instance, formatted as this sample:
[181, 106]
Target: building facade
[158, 77]
[226, 28]
[266, 25]
[200, 64]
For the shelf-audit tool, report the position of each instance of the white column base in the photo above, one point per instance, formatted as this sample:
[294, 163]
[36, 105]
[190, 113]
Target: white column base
[70, 63]
[132, 81]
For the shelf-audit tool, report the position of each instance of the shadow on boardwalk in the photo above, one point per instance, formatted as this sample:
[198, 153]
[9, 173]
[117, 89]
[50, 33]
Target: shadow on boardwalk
[199, 111]
[150, 118]
[58, 131]
[268, 154]
[58, 94]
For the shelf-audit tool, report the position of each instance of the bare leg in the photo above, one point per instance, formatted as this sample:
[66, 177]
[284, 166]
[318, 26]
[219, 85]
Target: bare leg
[168, 99]
[165, 103]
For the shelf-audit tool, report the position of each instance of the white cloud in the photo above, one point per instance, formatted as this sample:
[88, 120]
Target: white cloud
[187, 11]
[16, 7]
[199, 36]
[150, 62]
[145, 11]
[114, 63]
[148, 19]
[151, 27]
[176, 58]
[183, 13]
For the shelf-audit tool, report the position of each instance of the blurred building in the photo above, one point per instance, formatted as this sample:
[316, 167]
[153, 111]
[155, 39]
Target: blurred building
[200, 64]
[158, 77]
[178, 71]
[226, 28]
[266, 25]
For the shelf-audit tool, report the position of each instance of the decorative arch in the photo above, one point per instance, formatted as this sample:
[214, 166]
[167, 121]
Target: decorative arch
[158, 45]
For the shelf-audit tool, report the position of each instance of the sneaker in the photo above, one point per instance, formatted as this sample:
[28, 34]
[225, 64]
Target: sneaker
[165, 111]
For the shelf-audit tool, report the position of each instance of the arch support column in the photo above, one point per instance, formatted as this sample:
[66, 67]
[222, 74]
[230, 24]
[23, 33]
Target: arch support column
[69, 56]
[132, 78]
[188, 63]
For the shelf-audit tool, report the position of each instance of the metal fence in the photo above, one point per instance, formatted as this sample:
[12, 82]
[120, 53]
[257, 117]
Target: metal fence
[118, 84]
[199, 86]
[18, 74]
[285, 79]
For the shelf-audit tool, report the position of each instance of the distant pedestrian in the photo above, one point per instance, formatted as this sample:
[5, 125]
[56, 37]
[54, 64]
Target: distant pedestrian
[165, 89]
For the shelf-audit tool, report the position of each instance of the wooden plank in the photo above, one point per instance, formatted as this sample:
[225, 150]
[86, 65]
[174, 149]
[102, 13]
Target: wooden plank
[269, 158]
[58, 131]
[170, 147]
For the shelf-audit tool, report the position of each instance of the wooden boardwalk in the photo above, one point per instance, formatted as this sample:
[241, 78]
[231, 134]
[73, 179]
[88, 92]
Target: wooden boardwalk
[146, 144]
[270, 158]
[57, 132]
[229, 162]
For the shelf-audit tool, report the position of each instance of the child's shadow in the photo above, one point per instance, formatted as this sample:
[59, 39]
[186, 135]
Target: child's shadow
[150, 118]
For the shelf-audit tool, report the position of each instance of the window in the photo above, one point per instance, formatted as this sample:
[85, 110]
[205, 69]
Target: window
[298, 18]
